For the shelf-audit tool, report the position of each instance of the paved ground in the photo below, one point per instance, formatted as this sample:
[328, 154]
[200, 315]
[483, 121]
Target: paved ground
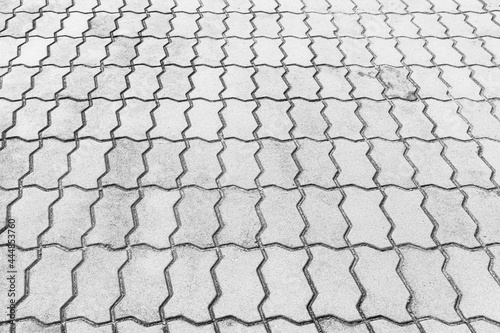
[251, 166]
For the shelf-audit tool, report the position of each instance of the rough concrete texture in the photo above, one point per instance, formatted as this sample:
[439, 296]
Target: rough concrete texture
[251, 166]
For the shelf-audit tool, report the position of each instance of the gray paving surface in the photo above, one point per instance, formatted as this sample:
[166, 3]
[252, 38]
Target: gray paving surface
[251, 165]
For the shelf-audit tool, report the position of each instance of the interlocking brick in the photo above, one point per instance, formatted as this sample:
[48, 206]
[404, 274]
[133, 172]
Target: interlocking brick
[455, 225]
[179, 51]
[239, 217]
[433, 295]
[18, 25]
[461, 83]
[239, 119]
[135, 5]
[334, 83]
[47, 83]
[155, 218]
[301, 82]
[484, 326]
[326, 223]
[77, 23]
[179, 326]
[274, 120]
[170, 119]
[49, 163]
[481, 118]
[135, 120]
[241, 290]
[297, 51]
[385, 52]
[65, 119]
[32, 51]
[414, 52]
[474, 52]
[159, 24]
[289, 291]
[101, 25]
[238, 5]
[121, 51]
[338, 293]
[164, 165]
[9, 47]
[238, 52]
[470, 168]
[189, 6]
[493, 46]
[413, 121]
[382, 325]
[151, 51]
[279, 167]
[130, 326]
[184, 25]
[241, 168]
[282, 326]
[206, 83]
[97, 283]
[355, 167]
[204, 119]
[332, 326]
[394, 168]
[49, 288]
[356, 52]
[365, 83]
[229, 325]
[386, 294]
[30, 119]
[411, 224]
[112, 6]
[369, 225]
[484, 206]
[327, 52]
[420, 6]
[293, 25]
[375, 25]
[210, 51]
[113, 217]
[321, 25]
[432, 167]
[145, 284]
[429, 26]
[192, 285]
[480, 292]
[486, 24]
[448, 122]
[33, 326]
[16, 82]
[317, 167]
[82, 326]
[238, 83]
[402, 26]
[456, 24]
[266, 25]
[491, 153]
[284, 224]
[379, 123]
[80, 82]
[343, 120]
[266, 6]
[71, 218]
[396, 83]
[111, 82]
[175, 83]
[393, 6]
[125, 163]
[90, 52]
[487, 78]
[270, 82]
[7, 116]
[212, 25]
[197, 217]
[239, 25]
[347, 25]
[202, 164]
[429, 82]
[308, 120]
[268, 52]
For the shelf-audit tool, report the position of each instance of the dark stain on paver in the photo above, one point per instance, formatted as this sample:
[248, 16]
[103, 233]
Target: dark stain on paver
[397, 84]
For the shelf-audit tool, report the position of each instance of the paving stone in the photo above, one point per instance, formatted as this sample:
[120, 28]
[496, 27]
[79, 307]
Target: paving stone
[365, 83]
[18, 25]
[347, 25]
[170, 120]
[315, 161]
[111, 83]
[386, 294]
[209, 51]
[394, 167]
[97, 283]
[481, 118]
[192, 285]
[432, 167]
[140, 83]
[343, 120]
[238, 82]
[429, 26]
[212, 25]
[49, 287]
[334, 83]
[411, 223]
[492, 155]
[239, 217]
[355, 167]
[121, 51]
[302, 77]
[385, 52]
[91, 52]
[268, 52]
[239, 25]
[155, 218]
[175, 83]
[266, 25]
[179, 326]
[80, 82]
[326, 222]
[402, 26]
[238, 52]
[197, 218]
[297, 51]
[474, 52]
[241, 168]
[397, 83]
[125, 163]
[202, 164]
[239, 119]
[469, 269]
[270, 83]
[179, 51]
[487, 79]
[101, 25]
[455, 225]
[337, 289]
[204, 120]
[164, 165]
[151, 51]
[160, 24]
[379, 123]
[484, 206]
[375, 26]
[293, 25]
[47, 83]
[282, 326]
[87, 163]
[279, 167]
[30, 119]
[9, 49]
[433, 294]
[286, 282]
[369, 225]
[484, 24]
[414, 51]
[274, 120]
[135, 120]
[16, 82]
[113, 217]
[414, 122]
[65, 119]
[71, 218]
[483, 326]
[327, 52]
[429, 83]
[207, 83]
[284, 224]
[145, 284]
[321, 25]
[462, 86]
[32, 51]
[130, 326]
[81, 326]
[447, 119]
[241, 290]
[77, 23]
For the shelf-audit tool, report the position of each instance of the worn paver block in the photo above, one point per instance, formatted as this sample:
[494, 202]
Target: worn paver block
[197, 218]
[338, 292]
[317, 166]
[113, 217]
[155, 218]
[192, 284]
[239, 217]
[277, 162]
[241, 167]
[386, 293]
[396, 83]
[455, 225]
[289, 292]
[241, 290]
[98, 284]
[50, 287]
[365, 83]
[145, 284]
[355, 167]
[135, 120]
[202, 164]
[326, 222]
[284, 224]
[480, 291]
[433, 295]
[369, 225]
